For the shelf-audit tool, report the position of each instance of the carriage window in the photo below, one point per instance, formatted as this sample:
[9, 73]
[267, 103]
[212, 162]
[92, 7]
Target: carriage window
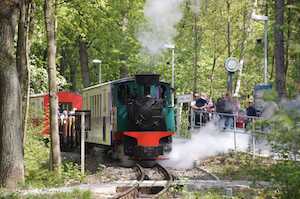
[100, 103]
[123, 94]
[147, 90]
[92, 105]
[96, 105]
[104, 102]
[65, 106]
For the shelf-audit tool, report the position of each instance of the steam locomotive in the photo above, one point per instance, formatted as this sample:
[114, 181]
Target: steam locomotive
[134, 117]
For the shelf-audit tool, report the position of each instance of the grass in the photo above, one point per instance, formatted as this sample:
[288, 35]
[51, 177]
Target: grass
[37, 174]
[221, 194]
[76, 194]
[238, 166]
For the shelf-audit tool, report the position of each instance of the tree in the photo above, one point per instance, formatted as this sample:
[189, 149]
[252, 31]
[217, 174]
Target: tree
[11, 145]
[25, 27]
[281, 70]
[84, 61]
[49, 10]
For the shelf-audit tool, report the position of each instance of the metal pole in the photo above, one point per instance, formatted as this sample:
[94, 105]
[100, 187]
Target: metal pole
[173, 67]
[192, 119]
[234, 131]
[173, 73]
[229, 82]
[178, 118]
[266, 51]
[82, 155]
[253, 137]
[100, 73]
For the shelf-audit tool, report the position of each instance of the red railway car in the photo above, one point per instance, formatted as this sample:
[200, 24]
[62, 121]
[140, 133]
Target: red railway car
[39, 106]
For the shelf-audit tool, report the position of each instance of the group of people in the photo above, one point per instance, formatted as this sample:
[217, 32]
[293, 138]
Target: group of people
[226, 106]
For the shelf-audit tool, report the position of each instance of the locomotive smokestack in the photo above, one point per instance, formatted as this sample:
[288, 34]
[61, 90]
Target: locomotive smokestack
[147, 79]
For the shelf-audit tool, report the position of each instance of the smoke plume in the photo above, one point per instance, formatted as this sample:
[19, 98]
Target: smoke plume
[160, 28]
[206, 142]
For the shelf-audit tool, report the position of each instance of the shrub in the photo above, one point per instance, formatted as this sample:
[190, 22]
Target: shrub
[37, 172]
[285, 141]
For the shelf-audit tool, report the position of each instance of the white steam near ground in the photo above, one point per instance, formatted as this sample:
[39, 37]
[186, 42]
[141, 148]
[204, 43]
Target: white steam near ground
[208, 141]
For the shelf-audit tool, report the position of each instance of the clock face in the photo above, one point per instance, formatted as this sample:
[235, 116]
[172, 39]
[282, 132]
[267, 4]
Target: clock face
[232, 64]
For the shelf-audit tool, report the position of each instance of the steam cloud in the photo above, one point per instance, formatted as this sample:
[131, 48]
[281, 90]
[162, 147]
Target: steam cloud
[160, 29]
[206, 142]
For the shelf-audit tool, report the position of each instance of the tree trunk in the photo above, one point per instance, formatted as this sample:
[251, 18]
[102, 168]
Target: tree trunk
[241, 58]
[83, 56]
[280, 77]
[124, 71]
[289, 20]
[63, 63]
[228, 34]
[22, 53]
[212, 75]
[11, 146]
[228, 30]
[195, 60]
[49, 10]
[73, 75]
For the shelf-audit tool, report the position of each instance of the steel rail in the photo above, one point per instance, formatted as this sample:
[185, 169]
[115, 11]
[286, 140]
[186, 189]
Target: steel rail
[133, 191]
[209, 173]
[168, 177]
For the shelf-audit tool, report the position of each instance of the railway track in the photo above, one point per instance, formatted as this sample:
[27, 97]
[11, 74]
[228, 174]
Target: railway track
[151, 191]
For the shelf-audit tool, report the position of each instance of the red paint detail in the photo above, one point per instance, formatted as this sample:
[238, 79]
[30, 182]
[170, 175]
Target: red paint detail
[63, 97]
[150, 159]
[117, 136]
[148, 138]
[240, 122]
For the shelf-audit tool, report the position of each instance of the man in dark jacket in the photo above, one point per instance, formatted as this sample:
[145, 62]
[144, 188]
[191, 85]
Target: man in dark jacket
[225, 108]
[200, 104]
[251, 111]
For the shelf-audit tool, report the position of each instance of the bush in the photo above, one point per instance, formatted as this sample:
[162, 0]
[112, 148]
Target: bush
[37, 172]
[285, 177]
[285, 141]
[74, 194]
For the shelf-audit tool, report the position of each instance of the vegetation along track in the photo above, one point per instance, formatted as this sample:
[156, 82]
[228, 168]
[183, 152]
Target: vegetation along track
[150, 191]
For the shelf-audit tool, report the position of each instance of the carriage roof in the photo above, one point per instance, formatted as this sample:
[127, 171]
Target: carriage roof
[118, 81]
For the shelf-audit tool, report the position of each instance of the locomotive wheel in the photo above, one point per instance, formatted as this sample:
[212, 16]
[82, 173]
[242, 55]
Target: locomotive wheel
[89, 147]
[148, 163]
[124, 160]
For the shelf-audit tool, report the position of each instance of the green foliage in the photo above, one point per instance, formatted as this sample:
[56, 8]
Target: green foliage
[110, 29]
[240, 166]
[39, 77]
[74, 194]
[184, 130]
[285, 136]
[285, 141]
[270, 95]
[285, 177]
[37, 172]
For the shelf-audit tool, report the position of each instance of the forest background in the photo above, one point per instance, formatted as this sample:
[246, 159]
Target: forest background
[108, 30]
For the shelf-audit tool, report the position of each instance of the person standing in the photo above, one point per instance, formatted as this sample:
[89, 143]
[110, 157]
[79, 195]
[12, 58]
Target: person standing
[225, 108]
